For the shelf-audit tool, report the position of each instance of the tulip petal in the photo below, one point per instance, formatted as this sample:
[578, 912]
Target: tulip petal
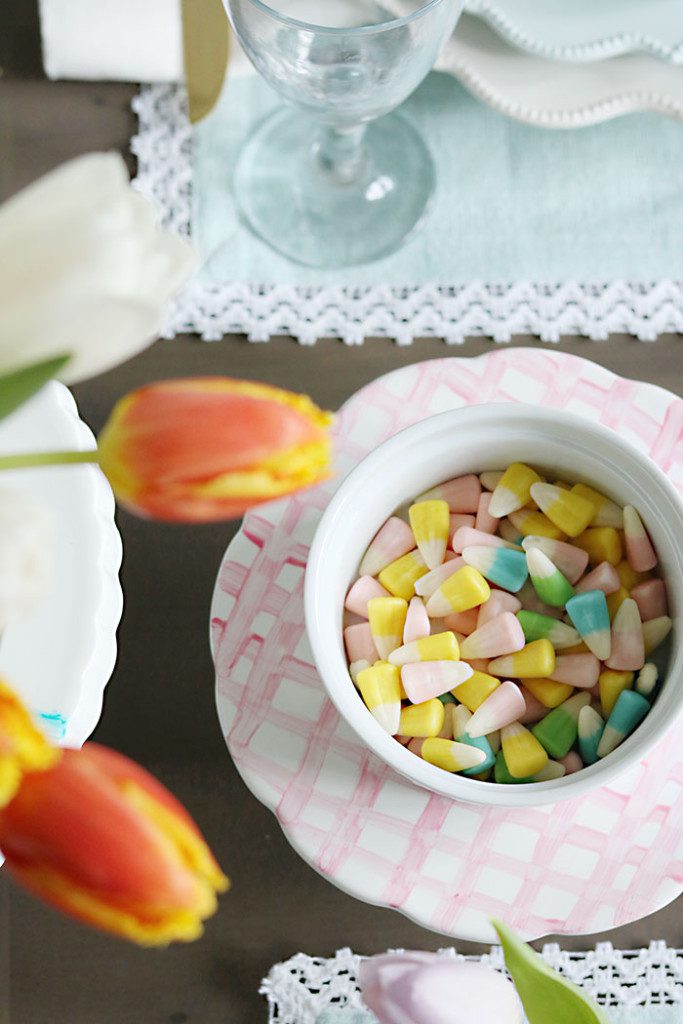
[23, 748]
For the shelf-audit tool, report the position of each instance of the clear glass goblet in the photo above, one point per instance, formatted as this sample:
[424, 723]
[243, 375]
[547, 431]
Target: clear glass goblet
[331, 181]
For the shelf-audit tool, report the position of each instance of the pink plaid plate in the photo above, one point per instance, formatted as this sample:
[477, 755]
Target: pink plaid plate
[585, 865]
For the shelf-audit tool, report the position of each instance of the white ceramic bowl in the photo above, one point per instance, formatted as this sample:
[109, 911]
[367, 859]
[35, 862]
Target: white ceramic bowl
[472, 440]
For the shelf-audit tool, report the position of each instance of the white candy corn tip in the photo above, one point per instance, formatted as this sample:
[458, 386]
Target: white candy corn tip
[433, 552]
[590, 722]
[480, 557]
[539, 564]
[504, 706]
[633, 525]
[600, 644]
[545, 495]
[503, 502]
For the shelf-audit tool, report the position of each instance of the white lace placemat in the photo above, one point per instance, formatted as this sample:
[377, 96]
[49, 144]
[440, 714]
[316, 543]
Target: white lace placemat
[163, 149]
[625, 981]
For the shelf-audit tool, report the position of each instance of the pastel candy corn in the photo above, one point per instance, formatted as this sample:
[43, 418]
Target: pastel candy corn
[422, 720]
[588, 611]
[590, 730]
[535, 660]
[387, 616]
[463, 622]
[629, 577]
[607, 512]
[510, 533]
[465, 537]
[485, 521]
[615, 601]
[502, 635]
[458, 519]
[610, 685]
[532, 602]
[493, 739]
[399, 577]
[603, 577]
[580, 670]
[437, 647]
[476, 689]
[557, 732]
[524, 755]
[535, 524]
[501, 773]
[461, 494]
[365, 588]
[415, 745]
[461, 717]
[513, 489]
[650, 596]
[549, 693]
[447, 698]
[503, 566]
[542, 627]
[446, 730]
[639, 551]
[627, 714]
[647, 680]
[431, 581]
[417, 624]
[628, 647]
[360, 648]
[380, 689]
[502, 707]
[534, 711]
[491, 478]
[550, 584]
[465, 589]
[430, 524]
[601, 543]
[499, 601]
[570, 512]
[571, 762]
[392, 540]
[655, 631]
[452, 756]
[570, 560]
[423, 680]
[552, 770]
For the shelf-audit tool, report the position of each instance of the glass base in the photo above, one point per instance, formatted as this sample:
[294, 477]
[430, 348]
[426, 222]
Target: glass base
[303, 210]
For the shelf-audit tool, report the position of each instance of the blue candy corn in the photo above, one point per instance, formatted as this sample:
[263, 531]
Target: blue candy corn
[461, 716]
[590, 615]
[628, 712]
[591, 726]
[505, 567]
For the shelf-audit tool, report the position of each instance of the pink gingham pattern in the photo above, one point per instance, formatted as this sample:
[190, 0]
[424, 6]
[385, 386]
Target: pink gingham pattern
[584, 865]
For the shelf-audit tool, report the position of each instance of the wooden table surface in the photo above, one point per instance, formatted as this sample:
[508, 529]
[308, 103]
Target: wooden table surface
[159, 706]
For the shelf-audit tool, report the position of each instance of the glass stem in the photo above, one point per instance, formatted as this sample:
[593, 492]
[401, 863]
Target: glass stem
[340, 153]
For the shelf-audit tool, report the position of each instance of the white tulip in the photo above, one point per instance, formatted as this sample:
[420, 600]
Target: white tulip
[84, 269]
[25, 554]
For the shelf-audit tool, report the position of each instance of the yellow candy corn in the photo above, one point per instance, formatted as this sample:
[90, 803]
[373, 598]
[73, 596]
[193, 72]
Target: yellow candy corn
[607, 512]
[524, 755]
[602, 543]
[452, 756]
[535, 524]
[535, 661]
[387, 617]
[615, 601]
[566, 509]
[548, 691]
[512, 491]
[430, 524]
[629, 577]
[380, 689]
[475, 690]
[465, 589]
[399, 577]
[611, 684]
[437, 647]
[424, 719]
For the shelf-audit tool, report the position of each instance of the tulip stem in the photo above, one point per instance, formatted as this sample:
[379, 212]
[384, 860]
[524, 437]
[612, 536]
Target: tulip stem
[30, 459]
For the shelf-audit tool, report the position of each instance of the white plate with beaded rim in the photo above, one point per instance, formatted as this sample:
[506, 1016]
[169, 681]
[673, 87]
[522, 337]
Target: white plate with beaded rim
[585, 865]
[61, 655]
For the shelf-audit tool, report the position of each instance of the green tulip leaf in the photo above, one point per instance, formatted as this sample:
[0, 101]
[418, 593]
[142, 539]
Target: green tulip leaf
[547, 997]
[20, 385]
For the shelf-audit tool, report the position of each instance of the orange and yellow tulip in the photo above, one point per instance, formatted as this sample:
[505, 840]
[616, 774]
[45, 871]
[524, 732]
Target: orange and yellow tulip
[22, 747]
[209, 448]
[99, 838]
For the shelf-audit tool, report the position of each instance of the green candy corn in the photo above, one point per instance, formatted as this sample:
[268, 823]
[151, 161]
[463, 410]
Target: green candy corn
[542, 627]
[557, 732]
[591, 725]
[628, 712]
[551, 586]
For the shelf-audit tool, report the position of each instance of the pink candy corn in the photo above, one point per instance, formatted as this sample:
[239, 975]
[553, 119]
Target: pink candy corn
[534, 711]
[462, 622]
[478, 664]
[359, 643]
[462, 493]
[485, 521]
[417, 621]
[628, 647]
[361, 592]
[639, 551]
[504, 706]
[502, 635]
[580, 670]
[465, 537]
[650, 596]
[432, 580]
[604, 577]
[424, 680]
[392, 540]
[458, 519]
[572, 762]
[500, 601]
[570, 560]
